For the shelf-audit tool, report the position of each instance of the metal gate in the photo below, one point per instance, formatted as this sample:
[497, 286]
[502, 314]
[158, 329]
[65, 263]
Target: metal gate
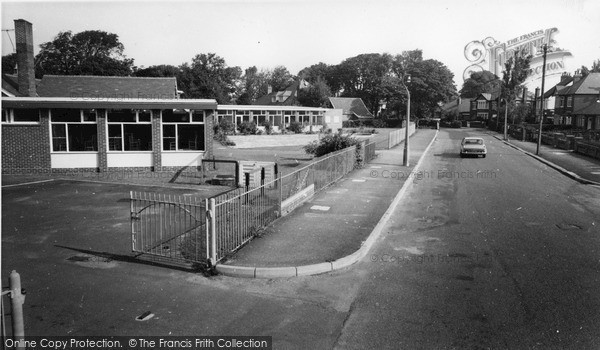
[169, 226]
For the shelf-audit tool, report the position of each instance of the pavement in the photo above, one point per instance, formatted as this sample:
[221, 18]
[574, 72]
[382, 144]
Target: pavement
[338, 225]
[582, 168]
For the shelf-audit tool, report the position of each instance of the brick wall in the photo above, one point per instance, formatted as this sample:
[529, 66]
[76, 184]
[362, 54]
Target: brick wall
[209, 133]
[26, 148]
[156, 141]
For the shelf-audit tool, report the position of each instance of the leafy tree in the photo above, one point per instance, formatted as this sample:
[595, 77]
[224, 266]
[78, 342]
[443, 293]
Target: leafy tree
[316, 95]
[91, 52]
[208, 76]
[431, 83]
[516, 70]
[280, 78]
[480, 82]
[595, 68]
[362, 76]
[163, 70]
[9, 63]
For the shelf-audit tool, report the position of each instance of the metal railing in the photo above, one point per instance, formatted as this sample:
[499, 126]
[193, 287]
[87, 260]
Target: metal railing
[191, 229]
[169, 226]
[320, 173]
[238, 216]
[370, 151]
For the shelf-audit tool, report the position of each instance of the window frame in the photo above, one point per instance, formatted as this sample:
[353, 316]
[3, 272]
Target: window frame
[189, 122]
[8, 117]
[122, 124]
[66, 127]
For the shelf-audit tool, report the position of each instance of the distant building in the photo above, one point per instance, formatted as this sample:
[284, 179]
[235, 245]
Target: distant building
[484, 107]
[461, 107]
[353, 108]
[285, 97]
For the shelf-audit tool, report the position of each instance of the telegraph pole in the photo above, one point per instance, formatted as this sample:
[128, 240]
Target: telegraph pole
[539, 143]
[406, 135]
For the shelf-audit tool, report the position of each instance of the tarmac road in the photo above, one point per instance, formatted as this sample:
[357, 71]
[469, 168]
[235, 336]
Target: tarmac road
[499, 253]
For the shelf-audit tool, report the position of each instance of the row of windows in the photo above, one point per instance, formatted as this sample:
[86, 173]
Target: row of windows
[67, 115]
[77, 137]
[257, 113]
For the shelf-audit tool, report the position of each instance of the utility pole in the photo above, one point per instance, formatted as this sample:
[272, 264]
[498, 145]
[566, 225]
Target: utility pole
[539, 143]
[406, 142]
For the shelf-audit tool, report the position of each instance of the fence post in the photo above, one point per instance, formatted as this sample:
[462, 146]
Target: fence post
[17, 300]
[262, 181]
[213, 232]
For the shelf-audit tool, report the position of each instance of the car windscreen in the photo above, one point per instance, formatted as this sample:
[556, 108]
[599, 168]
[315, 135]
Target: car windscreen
[473, 142]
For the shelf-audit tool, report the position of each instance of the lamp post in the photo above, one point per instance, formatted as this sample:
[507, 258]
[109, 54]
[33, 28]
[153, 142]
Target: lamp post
[506, 119]
[539, 143]
[406, 142]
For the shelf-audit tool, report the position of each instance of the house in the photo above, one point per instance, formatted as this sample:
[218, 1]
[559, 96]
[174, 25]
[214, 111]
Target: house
[84, 123]
[461, 107]
[484, 107]
[353, 108]
[285, 97]
[577, 101]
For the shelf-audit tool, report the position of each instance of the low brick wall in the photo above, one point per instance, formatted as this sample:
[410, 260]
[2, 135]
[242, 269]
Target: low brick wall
[587, 149]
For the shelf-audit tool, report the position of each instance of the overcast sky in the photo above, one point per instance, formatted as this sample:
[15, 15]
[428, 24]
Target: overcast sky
[299, 33]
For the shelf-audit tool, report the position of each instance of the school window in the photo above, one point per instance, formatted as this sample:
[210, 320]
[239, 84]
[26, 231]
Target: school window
[482, 116]
[482, 105]
[27, 115]
[73, 130]
[129, 130]
[183, 132]
[570, 101]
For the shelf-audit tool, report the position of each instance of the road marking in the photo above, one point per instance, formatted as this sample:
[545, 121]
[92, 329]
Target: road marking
[359, 180]
[28, 183]
[320, 207]
[375, 167]
[595, 172]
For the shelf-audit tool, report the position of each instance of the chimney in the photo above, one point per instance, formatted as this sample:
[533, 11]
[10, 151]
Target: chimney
[524, 98]
[269, 89]
[25, 62]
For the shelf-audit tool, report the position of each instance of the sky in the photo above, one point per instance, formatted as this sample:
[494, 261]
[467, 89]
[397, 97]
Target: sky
[299, 33]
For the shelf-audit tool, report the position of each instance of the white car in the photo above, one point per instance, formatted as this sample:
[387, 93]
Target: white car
[472, 146]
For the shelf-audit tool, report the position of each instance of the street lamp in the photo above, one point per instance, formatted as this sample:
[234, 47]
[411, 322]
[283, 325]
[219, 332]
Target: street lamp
[539, 143]
[406, 142]
[506, 119]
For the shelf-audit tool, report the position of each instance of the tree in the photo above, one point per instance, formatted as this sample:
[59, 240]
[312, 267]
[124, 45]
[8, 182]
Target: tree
[316, 95]
[362, 77]
[516, 70]
[91, 52]
[163, 70]
[431, 83]
[280, 78]
[208, 76]
[9, 63]
[595, 68]
[480, 82]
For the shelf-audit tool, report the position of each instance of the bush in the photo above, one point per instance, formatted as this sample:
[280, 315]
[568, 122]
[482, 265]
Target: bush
[225, 126]
[268, 127]
[379, 123]
[330, 143]
[248, 128]
[295, 127]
